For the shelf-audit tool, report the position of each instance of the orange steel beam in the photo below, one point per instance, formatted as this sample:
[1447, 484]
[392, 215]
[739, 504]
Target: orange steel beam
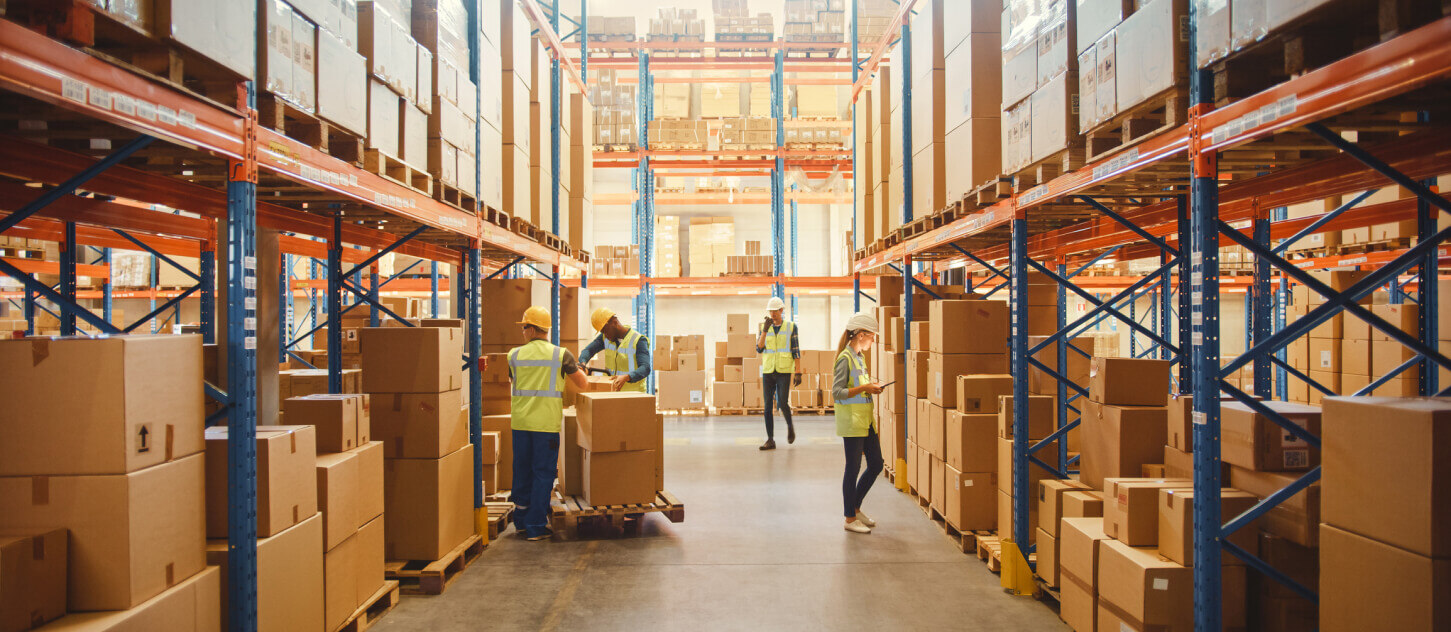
[880, 49]
[395, 286]
[669, 199]
[790, 81]
[713, 45]
[725, 63]
[33, 266]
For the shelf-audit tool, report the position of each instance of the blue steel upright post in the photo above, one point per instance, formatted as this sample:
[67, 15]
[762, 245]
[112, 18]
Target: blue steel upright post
[554, 132]
[1018, 366]
[242, 377]
[1204, 334]
[335, 308]
[208, 303]
[1260, 303]
[1427, 295]
[68, 280]
[904, 48]
[856, 69]
[778, 175]
[473, 283]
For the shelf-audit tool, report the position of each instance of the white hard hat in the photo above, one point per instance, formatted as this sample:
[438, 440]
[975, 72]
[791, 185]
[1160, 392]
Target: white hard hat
[774, 304]
[861, 321]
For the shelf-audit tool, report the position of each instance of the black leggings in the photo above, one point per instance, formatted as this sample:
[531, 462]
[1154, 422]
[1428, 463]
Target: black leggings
[854, 490]
[777, 389]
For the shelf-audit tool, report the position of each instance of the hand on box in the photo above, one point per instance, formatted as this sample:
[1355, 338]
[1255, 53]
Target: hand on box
[619, 381]
[796, 380]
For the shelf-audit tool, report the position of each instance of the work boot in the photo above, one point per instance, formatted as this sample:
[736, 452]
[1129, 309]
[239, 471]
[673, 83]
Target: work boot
[791, 434]
[770, 444]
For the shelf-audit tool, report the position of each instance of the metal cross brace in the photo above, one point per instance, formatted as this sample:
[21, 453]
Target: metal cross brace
[1324, 219]
[69, 186]
[164, 306]
[1129, 225]
[1105, 306]
[381, 253]
[348, 284]
[161, 257]
[505, 268]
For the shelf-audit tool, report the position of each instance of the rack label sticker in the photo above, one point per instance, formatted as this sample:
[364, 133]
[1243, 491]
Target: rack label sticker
[186, 119]
[1297, 459]
[249, 303]
[1197, 338]
[1115, 164]
[249, 263]
[1034, 194]
[73, 89]
[125, 104]
[145, 110]
[250, 324]
[1199, 418]
[100, 98]
[249, 282]
[165, 115]
[250, 342]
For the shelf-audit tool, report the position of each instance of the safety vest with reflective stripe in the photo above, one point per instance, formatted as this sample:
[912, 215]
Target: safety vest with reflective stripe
[777, 356]
[538, 389]
[620, 358]
[854, 416]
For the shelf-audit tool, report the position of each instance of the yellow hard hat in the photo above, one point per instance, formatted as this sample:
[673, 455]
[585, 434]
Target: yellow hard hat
[600, 317]
[538, 317]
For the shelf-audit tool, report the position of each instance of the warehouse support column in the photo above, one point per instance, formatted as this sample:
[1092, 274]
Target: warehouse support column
[241, 363]
[1017, 574]
[1260, 303]
[68, 280]
[471, 290]
[335, 308]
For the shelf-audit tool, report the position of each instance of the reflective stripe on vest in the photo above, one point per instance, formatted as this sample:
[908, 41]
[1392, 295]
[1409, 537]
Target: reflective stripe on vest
[854, 416]
[858, 378]
[555, 365]
[537, 404]
[630, 343]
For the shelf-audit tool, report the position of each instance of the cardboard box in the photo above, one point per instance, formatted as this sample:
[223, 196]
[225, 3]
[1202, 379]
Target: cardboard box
[969, 442]
[970, 501]
[936, 435]
[1380, 455]
[978, 394]
[1041, 414]
[1035, 472]
[1131, 508]
[939, 484]
[1050, 502]
[617, 422]
[943, 370]
[370, 481]
[571, 457]
[1181, 422]
[1078, 600]
[1119, 440]
[338, 494]
[411, 359]
[419, 425]
[619, 478]
[680, 389]
[1176, 523]
[1298, 518]
[1148, 591]
[1005, 514]
[436, 495]
[924, 474]
[32, 578]
[286, 478]
[918, 371]
[142, 403]
[138, 533]
[335, 418]
[1078, 548]
[1251, 440]
[339, 579]
[1081, 504]
[192, 604]
[290, 592]
[1128, 381]
[1370, 585]
[968, 327]
[727, 395]
[223, 32]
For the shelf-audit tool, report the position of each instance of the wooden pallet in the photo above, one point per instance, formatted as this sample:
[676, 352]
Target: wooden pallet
[1044, 590]
[990, 550]
[1059, 162]
[22, 253]
[736, 412]
[398, 171]
[744, 37]
[1158, 114]
[496, 217]
[992, 191]
[567, 517]
[382, 601]
[288, 119]
[524, 228]
[551, 240]
[425, 577]
[455, 197]
[1374, 246]
[618, 147]
[499, 514]
[683, 412]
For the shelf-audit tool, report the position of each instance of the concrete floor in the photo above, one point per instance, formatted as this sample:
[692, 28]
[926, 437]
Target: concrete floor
[761, 548]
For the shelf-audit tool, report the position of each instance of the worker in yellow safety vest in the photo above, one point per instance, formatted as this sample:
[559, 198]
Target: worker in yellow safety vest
[779, 348]
[853, 389]
[538, 370]
[626, 351]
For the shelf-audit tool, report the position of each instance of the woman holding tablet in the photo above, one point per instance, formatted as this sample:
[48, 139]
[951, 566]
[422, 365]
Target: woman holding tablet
[853, 390]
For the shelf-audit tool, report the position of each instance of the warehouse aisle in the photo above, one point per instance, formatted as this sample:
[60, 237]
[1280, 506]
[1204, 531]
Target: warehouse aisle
[761, 548]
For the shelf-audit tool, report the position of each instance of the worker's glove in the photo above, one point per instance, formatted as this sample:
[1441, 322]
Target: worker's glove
[796, 380]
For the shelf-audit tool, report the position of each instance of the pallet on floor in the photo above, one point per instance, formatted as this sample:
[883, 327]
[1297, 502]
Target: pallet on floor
[736, 412]
[382, 601]
[683, 412]
[1044, 590]
[398, 171]
[571, 512]
[431, 577]
[499, 514]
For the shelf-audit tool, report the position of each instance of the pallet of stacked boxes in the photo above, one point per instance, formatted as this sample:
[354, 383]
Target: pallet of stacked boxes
[129, 501]
[728, 392]
[959, 337]
[441, 30]
[612, 465]
[681, 382]
[397, 117]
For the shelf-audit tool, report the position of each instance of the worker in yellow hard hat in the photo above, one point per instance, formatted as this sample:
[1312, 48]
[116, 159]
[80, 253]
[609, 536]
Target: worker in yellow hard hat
[779, 347]
[626, 351]
[537, 370]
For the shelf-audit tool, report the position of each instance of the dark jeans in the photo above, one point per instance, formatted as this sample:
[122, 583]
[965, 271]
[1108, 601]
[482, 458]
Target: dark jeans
[854, 490]
[777, 389]
[536, 462]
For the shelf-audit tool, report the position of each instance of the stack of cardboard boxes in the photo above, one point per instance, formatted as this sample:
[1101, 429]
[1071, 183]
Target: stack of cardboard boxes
[580, 169]
[349, 492]
[677, 133]
[873, 18]
[300, 37]
[441, 27]
[744, 28]
[400, 87]
[712, 239]
[120, 470]
[814, 20]
[737, 367]
[614, 111]
[518, 75]
[751, 263]
[413, 379]
[815, 134]
[1040, 82]
[680, 376]
[667, 246]
[621, 440]
[1125, 420]
[720, 100]
[615, 261]
[677, 25]
[611, 29]
[752, 132]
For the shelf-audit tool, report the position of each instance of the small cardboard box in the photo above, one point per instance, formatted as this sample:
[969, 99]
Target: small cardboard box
[335, 418]
[436, 496]
[617, 422]
[939, 484]
[1118, 440]
[286, 478]
[290, 593]
[1078, 599]
[1040, 416]
[1181, 422]
[1131, 508]
[971, 504]
[419, 425]
[411, 359]
[1050, 502]
[1147, 589]
[917, 373]
[1086, 503]
[620, 478]
[968, 327]
[727, 395]
[33, 586]
[969, 442]
[1078, 548]
[337, 497]
[1366, 584]
[1047, 558]
[191, 604]
[1297, 519]
[571, 457]
[738, 323]
[943, 370]
[978, 394]
[1128, 381]
[1036, 473]
[1176, 523]
[1252, 441]
[680, 390]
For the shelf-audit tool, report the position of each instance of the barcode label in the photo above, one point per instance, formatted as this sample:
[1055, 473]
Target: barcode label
[1297, 458]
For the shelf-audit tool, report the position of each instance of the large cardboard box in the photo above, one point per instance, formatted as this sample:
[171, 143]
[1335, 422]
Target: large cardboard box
[1036, 473]
[1296, 519]
[970, 501]
[1252, 441]
[1131, 508]
[1128, 381]
[571, 457]
[1054, 116]
[32, 578]
[1176, 523]
[1151, 51]
[223, 32]
[968, 326]
[370, 481]
[337, 496]
[680, 389]
[419, 425]
[289, 577]
[339, 581]
[1078, 548]
[617, 422]
[340, 422]
[412, 359]
[969, 442]
[191, 604]
[620, 478]
[1385, 459]
[1146, 589]
[943, 369]
[978, 394]
[1041, 414]
[286, 478]
[142, 403]
[1118, 441]
[432, 502]
[1370, 585]
[917, 373]
[1050, 502]
[132, 536]
[1078, 600]
[368, 563]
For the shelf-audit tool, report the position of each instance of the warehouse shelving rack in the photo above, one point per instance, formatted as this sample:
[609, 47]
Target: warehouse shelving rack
[185, 151]
[1175, 195]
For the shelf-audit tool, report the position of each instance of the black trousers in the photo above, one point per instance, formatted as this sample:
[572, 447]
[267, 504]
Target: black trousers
[853, 489]
[777, 389]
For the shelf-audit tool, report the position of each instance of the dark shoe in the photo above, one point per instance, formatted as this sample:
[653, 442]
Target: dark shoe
[770, 444]
[542, 534]
[791, 434]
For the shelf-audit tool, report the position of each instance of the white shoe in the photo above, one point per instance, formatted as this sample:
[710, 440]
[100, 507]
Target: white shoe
[857, 526]
[862, 518]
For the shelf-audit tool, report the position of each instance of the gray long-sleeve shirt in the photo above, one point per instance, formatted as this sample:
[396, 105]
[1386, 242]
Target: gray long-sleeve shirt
[841, 377]
[642, 356]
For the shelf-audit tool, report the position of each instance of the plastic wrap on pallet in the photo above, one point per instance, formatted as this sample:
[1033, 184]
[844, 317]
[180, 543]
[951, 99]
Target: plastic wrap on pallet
[130, 269]
[276, 61]
[342, 91]
[1212, 32]
[441, 26]
[1021, 24]
[223, 31]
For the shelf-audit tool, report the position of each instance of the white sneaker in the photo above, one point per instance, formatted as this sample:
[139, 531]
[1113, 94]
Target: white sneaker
[862, 518]
[857, 526]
